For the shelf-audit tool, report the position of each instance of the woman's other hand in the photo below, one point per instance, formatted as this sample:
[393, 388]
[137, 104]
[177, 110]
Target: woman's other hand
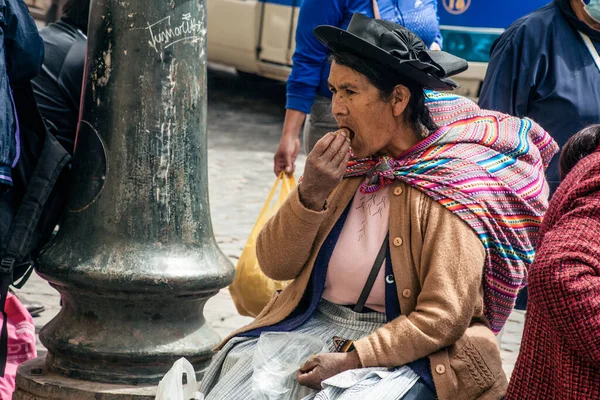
[324, 366]
[324, 169]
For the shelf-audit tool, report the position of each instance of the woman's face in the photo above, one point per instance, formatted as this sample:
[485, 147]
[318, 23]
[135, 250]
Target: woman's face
[358, 107]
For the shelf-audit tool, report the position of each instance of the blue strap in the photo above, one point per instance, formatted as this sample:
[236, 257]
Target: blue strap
[18, 130]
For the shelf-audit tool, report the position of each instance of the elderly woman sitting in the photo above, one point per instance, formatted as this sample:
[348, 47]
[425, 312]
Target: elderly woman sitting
[409, 234]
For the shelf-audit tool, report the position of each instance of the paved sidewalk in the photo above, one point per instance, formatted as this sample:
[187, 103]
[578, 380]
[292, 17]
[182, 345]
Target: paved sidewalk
[244, 126]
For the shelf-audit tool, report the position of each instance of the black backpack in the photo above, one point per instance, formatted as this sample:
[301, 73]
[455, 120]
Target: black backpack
[31, 210]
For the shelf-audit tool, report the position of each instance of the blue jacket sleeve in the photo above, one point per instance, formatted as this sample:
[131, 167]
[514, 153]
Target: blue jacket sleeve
[21, 57]
[24, 45]
[509, 81]
[310, 55]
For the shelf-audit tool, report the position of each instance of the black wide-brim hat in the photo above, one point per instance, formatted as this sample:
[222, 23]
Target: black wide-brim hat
[396, 47]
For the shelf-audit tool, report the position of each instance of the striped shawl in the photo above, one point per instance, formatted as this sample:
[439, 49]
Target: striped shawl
[488, 169]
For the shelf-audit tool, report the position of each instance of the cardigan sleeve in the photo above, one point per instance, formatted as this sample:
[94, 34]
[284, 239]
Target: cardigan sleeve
[450, 270]
[285, 243]
[565, 277]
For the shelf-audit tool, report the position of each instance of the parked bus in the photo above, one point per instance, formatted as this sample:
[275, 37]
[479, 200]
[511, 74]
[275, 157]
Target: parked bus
[257, 36]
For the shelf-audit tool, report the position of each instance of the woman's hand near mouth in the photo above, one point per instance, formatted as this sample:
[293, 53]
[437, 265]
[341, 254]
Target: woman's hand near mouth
[324, 169]
[349, 131]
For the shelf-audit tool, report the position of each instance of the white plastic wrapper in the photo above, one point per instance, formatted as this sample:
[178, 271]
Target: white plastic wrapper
[277, 358]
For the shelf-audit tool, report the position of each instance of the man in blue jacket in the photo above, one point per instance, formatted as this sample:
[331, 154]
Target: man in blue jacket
[546, 67]
[307, 89]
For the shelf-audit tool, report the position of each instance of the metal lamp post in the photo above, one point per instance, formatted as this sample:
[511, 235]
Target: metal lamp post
[135, 259]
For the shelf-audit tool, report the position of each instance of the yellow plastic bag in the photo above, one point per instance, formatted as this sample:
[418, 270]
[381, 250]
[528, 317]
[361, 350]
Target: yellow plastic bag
[251, 290]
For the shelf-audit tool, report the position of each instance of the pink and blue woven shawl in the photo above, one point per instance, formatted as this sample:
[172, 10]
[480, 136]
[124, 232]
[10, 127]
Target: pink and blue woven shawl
[488, 169]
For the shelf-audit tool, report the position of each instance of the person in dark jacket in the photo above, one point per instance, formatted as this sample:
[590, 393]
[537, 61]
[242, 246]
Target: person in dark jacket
[21, 55]
[58, 86]
[560, 351]
[546, 67]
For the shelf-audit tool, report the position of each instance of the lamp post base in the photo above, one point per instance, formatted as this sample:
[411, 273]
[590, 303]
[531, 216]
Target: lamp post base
[34, 382]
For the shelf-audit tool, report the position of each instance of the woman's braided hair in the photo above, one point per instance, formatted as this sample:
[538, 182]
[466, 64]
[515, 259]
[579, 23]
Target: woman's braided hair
[385, 80]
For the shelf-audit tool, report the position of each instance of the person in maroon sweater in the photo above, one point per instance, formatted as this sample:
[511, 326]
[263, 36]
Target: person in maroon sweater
[560, 351]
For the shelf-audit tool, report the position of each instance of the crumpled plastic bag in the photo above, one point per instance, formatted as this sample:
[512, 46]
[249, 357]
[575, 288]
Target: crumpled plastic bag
[172, 387]
[277, 358]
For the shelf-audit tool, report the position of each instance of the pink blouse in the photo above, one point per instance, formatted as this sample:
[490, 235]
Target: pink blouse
[355, 252]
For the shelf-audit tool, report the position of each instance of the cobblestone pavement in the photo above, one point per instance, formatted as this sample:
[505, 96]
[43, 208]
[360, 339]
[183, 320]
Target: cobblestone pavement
[245, 119]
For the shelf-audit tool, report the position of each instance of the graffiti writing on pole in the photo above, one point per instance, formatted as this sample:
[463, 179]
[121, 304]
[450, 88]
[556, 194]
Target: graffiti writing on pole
[164, 35]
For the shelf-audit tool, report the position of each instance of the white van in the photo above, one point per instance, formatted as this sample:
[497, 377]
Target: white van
[258, 37]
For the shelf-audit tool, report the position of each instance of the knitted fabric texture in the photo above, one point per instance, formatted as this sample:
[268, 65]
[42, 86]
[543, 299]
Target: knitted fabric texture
[560, 351]
[488, 169]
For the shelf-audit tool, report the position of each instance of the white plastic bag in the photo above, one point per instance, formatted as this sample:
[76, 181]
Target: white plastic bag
[171, 386]
[277, 358]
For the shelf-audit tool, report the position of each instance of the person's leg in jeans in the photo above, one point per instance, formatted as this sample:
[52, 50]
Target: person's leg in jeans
[318, 123]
